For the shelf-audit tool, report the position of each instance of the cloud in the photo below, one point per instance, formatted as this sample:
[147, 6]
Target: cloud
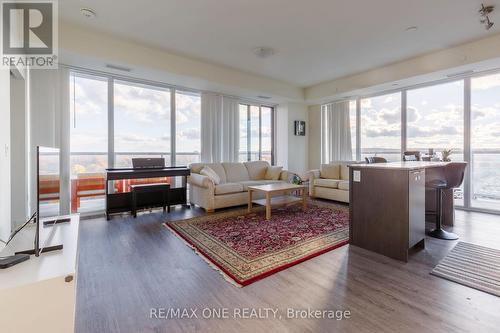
[414, 131]
[413, 115]
[390, 116]
[190, 134]
[486, 82]
[377, 132]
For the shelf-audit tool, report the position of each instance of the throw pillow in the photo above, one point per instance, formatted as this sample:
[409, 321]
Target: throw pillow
[210, 173]
[330, 171]
[273, 173]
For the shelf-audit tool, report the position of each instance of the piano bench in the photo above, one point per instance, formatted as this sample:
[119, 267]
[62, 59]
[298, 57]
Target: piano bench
[150, 188]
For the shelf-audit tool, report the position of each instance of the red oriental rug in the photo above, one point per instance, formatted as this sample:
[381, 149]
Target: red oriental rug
[245, 247]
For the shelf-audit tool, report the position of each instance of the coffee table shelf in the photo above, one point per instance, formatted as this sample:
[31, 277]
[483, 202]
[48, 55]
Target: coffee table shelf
[277, 201]
[280, 190]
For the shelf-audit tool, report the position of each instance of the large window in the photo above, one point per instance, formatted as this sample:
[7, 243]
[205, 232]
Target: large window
[435, 118]
[89, 141]
[381, 127]
[256, 133]
[142, 122]
[485, 143]
[439, 116]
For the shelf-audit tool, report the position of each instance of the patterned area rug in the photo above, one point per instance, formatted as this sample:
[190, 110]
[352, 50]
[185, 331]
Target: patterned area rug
[245, 247]
[472, 265]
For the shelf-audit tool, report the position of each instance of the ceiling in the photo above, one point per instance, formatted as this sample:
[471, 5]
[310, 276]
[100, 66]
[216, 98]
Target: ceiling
[314, 40]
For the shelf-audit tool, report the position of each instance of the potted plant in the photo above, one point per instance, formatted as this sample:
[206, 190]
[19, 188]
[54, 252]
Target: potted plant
[445, 155]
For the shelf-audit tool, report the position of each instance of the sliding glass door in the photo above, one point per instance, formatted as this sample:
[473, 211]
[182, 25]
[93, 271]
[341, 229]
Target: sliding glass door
[485, 142]
[381, 127]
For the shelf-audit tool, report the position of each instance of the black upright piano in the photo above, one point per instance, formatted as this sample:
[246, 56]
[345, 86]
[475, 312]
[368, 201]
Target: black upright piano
[122, 202]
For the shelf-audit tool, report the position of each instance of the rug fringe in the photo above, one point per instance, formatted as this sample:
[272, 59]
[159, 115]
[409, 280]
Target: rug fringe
[214, 267]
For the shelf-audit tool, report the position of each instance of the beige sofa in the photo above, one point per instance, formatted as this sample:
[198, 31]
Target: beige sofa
[234, 181]
[331, 181]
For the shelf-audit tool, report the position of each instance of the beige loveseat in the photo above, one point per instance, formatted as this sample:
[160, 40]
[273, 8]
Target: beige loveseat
[232, 188]
[331, 181]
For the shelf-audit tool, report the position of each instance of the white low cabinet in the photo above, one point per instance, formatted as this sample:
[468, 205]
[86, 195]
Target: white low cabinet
[38, 295]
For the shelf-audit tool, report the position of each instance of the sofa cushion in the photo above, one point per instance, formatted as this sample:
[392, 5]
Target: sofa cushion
[228, 188]
[210, 173]
[217, 167]
[329, 171]
[344, 185]
[344, 172]
[256, 169]
[257, 183]
[235, 172]
[330, 183]
[273, 173]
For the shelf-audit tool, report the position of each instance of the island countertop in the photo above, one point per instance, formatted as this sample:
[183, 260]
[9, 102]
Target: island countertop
[410, 165]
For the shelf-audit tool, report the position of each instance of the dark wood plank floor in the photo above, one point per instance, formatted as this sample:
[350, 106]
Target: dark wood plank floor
[128, 266]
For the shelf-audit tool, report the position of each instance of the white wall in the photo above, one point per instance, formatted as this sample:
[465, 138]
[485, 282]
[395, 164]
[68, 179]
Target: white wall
[18, 124]
[291, 150]
[314, 144]
[5, 200]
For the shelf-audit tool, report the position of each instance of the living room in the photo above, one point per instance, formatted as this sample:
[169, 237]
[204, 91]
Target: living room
[247, 166]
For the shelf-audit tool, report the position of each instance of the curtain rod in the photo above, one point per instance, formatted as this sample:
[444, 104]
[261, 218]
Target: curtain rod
[159, 84]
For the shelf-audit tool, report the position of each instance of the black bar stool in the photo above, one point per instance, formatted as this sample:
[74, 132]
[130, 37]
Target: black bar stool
[375, 159]
[453, 178]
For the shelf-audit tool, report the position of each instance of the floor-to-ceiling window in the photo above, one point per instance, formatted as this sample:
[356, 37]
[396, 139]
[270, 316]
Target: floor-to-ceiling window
[188, 127]
[381, 126]
[256, 135]
[88, 142]
[485, 142]
[141, 122]
[435, 120]
[458, 114]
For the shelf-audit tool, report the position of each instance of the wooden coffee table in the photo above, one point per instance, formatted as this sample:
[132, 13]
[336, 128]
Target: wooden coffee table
[284, 198]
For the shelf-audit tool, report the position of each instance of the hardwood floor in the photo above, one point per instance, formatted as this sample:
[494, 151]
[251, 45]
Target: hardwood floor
[128, 266]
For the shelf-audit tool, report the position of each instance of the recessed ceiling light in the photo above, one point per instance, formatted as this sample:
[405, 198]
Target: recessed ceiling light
[395, 84]
[88, 12]
[412, 28]
[263, 97]
[263, 52]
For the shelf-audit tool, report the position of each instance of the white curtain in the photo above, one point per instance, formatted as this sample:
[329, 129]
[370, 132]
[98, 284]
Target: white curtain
[219, 128]
[211, 106]
[230, 129]
[49, 123]
[336, 132]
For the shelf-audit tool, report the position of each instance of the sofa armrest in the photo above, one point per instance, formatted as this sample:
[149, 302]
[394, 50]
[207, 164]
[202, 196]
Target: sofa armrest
[313, 174]
[200, 180]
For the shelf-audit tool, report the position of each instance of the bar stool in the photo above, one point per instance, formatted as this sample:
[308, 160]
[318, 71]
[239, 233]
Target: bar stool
[375, 159]
[453, 178]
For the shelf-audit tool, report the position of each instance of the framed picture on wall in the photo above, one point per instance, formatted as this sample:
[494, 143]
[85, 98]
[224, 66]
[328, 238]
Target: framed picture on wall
[300, 128]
